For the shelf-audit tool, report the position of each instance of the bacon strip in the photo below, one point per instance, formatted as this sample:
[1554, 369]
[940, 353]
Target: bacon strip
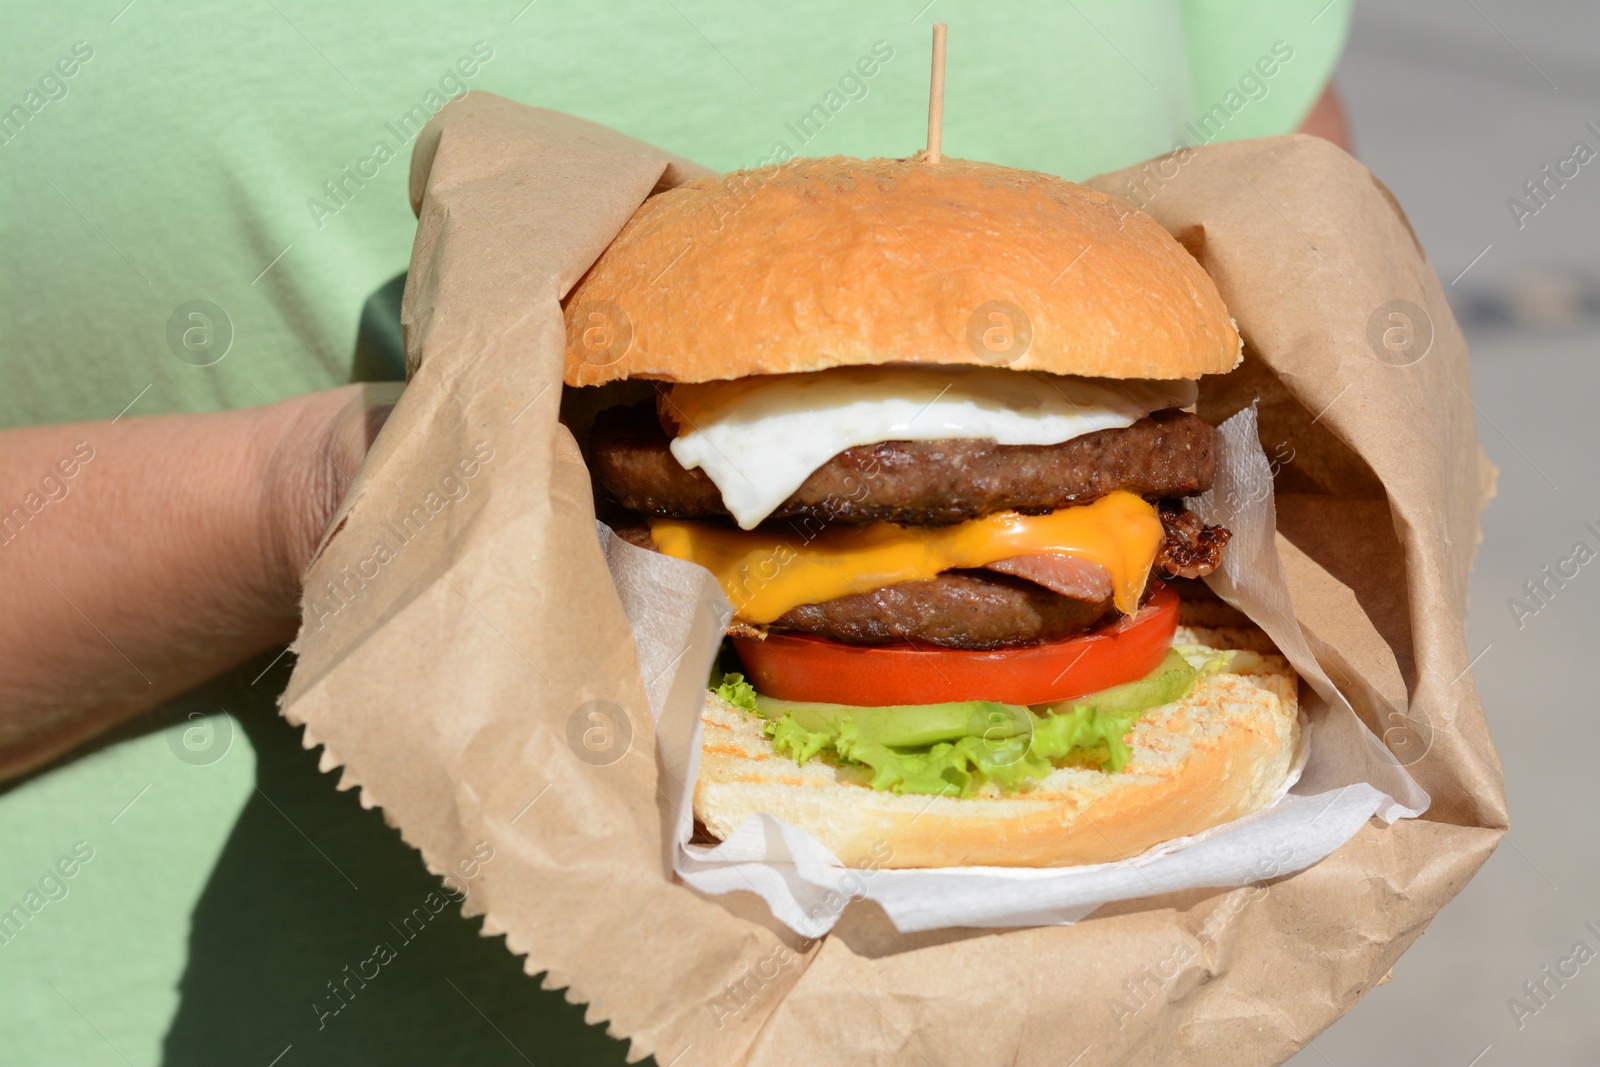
[1192, 549]
[1067, 575]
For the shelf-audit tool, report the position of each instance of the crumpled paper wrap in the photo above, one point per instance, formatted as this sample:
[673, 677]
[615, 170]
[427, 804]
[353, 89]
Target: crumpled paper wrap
[467, 662]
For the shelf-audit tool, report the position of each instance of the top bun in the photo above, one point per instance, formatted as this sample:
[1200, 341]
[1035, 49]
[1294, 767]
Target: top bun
[819, 263]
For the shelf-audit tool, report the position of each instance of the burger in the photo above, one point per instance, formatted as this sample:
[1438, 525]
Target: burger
[931, 428]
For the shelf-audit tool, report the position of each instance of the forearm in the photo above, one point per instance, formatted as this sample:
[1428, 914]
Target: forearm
[1327, 119]
[142, 557]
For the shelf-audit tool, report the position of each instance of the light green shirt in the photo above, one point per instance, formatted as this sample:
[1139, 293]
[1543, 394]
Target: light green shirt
[205, 207]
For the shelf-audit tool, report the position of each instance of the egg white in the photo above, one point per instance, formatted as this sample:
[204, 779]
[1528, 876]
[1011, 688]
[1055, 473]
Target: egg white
[759, 439]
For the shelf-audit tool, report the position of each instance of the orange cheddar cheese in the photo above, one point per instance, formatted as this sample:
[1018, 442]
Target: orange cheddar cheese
[766, 572]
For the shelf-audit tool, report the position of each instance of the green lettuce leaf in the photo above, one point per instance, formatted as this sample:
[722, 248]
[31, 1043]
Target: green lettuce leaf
[736, 691]
[981, 742]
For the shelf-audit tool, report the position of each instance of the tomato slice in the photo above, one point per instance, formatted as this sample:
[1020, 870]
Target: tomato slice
[802, 667]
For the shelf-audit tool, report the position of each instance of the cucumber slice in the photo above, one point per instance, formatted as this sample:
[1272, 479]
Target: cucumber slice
[906, 725]
[1168, 682]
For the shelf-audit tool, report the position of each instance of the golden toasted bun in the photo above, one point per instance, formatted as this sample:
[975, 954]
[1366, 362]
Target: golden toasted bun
[1218, 754]
[819, 263]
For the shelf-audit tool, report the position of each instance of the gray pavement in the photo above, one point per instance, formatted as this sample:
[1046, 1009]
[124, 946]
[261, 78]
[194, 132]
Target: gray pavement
[1454, 105]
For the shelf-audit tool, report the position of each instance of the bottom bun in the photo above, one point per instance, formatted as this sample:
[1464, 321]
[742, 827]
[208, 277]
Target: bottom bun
[1219, 753]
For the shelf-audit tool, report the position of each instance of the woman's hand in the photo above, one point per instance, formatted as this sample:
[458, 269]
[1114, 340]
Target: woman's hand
[1327, 119]
[142, 557]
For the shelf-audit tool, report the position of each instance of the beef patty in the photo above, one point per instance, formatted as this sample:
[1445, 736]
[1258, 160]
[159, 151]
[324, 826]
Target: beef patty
[957, 609]
[921, 483]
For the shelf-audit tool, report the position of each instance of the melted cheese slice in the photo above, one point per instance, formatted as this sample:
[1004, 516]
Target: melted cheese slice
[758, 439]
[764, 574]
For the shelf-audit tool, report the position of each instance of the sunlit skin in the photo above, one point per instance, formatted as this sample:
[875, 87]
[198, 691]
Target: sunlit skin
[1327, 119]
[172, 553]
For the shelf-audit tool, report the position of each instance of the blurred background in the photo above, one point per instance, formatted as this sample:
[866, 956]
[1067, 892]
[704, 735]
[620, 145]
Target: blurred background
[1455, 105]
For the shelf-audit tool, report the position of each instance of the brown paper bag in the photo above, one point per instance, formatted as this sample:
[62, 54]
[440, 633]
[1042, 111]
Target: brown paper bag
[462, 638]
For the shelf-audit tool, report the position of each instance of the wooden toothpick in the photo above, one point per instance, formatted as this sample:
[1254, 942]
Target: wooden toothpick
[936, 96]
